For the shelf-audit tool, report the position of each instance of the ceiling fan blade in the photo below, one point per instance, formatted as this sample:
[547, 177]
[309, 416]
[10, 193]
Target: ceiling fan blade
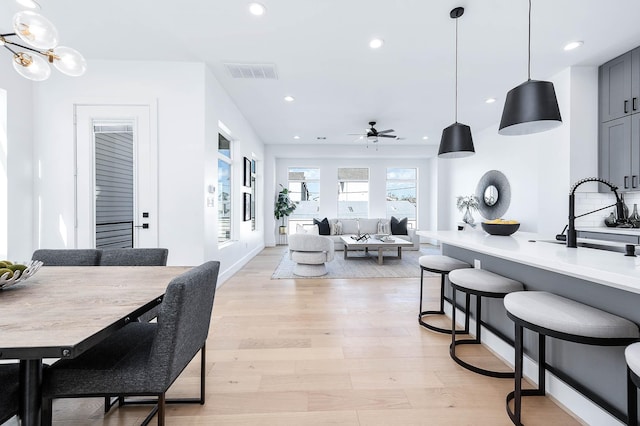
[386, 131]
[356, 134]
[386, 136]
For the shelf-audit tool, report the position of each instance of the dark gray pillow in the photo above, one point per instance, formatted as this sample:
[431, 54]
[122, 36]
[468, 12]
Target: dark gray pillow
[398, 227]
[323, 226]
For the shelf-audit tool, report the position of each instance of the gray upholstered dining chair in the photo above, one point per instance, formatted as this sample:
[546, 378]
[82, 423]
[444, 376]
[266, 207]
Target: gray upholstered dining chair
[143, 359]
[9, 388]
[67, 257]
[134, 257]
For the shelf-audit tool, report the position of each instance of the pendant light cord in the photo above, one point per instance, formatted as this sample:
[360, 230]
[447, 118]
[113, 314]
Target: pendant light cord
[456, 114]
[529, 48]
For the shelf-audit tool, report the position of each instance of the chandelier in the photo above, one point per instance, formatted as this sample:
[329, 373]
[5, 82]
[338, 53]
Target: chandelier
[34, 46]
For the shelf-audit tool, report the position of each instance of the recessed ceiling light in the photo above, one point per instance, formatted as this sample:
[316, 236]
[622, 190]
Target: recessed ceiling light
[257, 9]
[424, 138]
[296, 137]
[376, 43]
[289, 98]
[573, 45]
[490, 100]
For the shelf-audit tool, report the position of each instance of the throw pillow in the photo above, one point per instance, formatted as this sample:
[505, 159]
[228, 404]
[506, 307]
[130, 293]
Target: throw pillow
[300, 229]
[384, 227]
[338, 228]
[323, 226]
[398, 227]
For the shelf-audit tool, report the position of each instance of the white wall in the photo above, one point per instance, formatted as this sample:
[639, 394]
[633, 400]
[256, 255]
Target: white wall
[319, 157]
[190, 103]
[540, 167]
[17, 229]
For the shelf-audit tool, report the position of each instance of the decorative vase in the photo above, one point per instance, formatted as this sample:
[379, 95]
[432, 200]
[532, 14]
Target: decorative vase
[625, 210]
[610, 220]
[468, 217]
[635, 217]
[282, 230]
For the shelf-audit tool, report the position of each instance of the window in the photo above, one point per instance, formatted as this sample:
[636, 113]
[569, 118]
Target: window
[304, 190]
[224, 189]
[353, 192]
[402, 194]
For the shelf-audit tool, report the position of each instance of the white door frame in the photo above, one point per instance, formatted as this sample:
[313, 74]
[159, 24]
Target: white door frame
[144, 115]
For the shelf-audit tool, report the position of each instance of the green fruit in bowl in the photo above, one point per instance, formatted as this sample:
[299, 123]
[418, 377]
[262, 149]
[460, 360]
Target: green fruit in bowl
[17, 267]
[7, 262]
[4, 271]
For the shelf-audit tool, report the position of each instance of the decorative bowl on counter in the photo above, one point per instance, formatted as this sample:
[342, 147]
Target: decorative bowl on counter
[14, 276]
[504, 228]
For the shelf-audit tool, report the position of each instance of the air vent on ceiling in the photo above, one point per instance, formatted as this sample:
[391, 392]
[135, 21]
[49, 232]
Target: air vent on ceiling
[254, 71]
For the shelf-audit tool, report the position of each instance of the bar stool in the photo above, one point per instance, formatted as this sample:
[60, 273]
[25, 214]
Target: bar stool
[480, 283]
[440, 265]
[632, 356]
[561, 318]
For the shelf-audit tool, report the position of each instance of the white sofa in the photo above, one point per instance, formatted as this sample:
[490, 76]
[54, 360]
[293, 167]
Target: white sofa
[369, 226]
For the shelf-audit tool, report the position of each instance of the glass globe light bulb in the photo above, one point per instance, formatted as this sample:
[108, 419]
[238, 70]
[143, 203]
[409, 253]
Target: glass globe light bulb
[35, 30]
[32, 67]
[69, 61]
[31, 4]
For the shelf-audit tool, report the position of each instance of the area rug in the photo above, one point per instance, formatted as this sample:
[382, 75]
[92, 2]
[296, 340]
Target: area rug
[361, 266]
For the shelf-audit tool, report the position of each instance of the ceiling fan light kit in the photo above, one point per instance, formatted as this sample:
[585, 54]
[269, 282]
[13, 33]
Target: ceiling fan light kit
[531, 107]
[40, 49]
[456, 141]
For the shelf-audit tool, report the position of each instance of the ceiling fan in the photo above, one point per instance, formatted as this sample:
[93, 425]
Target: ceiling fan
[372, 134]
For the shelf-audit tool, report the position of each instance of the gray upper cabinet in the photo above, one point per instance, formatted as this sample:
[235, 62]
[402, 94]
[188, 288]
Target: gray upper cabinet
[619, 109]
[615, 88]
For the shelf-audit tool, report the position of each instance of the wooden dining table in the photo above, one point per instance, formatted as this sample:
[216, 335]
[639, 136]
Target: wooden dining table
[62, 311]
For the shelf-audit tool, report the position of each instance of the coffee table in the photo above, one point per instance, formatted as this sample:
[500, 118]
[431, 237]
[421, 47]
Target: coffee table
[351, 244]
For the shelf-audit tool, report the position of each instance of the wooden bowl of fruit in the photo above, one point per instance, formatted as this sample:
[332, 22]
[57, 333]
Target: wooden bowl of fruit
[500, 226]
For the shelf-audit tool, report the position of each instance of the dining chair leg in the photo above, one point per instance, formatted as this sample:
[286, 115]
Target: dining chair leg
[46, 416]
[203, 364]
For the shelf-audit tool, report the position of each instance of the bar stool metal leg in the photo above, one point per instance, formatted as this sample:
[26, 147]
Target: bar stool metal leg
[475, 341]
[441, 310]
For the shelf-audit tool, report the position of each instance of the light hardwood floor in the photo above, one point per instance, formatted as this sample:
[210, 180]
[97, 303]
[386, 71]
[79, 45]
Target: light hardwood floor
[319, 352]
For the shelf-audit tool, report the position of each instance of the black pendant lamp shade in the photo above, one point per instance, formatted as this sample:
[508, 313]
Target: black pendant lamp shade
[456, 140]
[531, 107]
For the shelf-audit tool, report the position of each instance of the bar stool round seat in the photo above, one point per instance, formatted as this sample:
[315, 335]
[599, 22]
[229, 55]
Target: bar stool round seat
[480, 283]
[442, 265]
[555, 316]
[632, 357]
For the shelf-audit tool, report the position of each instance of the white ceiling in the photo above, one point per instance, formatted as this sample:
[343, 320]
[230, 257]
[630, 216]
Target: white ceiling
[320, 50]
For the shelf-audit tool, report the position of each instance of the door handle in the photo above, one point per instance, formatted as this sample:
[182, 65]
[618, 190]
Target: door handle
[634, 181]
[634, 104]
[626, 182]
[146, 225]
[626, 106]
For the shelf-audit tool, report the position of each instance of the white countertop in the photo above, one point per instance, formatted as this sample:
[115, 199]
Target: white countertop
[612, 269]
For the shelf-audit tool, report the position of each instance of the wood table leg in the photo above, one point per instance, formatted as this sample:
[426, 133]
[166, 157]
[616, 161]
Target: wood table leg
[380, 256]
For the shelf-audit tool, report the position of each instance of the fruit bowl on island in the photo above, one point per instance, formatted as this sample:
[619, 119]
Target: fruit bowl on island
[500, 226]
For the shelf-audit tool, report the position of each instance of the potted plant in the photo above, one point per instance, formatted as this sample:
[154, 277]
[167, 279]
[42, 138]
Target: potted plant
[284, 207]
[467, 203]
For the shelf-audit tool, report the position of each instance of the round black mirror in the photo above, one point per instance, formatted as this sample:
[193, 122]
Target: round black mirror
[494, 193]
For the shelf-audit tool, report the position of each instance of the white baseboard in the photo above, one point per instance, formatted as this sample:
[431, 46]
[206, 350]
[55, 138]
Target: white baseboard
[564, 395]
[229, 272]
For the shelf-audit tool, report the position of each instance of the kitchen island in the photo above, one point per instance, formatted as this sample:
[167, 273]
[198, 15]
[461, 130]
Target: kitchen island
[604, 279]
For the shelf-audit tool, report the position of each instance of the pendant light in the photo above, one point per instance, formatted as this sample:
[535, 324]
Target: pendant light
[531, 107]
[456, 141]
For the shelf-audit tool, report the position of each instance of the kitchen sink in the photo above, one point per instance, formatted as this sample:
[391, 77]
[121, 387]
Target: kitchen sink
[594, 244]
